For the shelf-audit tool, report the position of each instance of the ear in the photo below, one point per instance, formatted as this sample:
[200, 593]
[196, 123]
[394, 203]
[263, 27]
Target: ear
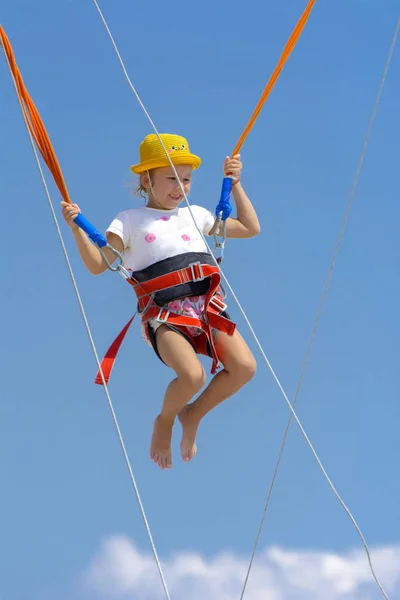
[144, 180]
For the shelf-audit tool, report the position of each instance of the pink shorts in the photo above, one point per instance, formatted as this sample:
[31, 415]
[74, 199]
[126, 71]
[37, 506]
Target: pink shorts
[191, 307]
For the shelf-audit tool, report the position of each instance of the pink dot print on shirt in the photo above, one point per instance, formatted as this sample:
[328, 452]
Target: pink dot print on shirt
[164, 218]
[186, 237]
[150, 237]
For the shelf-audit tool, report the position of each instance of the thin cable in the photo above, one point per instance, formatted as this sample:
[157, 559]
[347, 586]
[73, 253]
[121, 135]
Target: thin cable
[242, 310]
[132, 477]
[325, 291]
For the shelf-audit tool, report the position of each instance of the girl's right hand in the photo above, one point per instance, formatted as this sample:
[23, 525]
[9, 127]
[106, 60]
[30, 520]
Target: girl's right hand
[70, 212]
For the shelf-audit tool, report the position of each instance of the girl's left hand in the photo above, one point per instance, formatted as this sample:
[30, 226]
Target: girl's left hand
[233, 168]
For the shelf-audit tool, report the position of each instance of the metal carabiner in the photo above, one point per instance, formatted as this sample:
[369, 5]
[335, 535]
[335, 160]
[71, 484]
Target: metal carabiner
[220, 245]
[119, 268]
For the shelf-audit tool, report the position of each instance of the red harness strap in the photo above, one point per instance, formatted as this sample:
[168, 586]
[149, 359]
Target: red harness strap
[148, 309]
[107, 363]
[195, 272]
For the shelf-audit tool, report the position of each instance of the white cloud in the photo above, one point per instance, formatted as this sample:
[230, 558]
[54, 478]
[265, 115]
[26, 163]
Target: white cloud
[120, 572]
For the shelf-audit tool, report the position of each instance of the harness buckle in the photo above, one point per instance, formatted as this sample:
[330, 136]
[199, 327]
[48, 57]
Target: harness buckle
[200, 268]
[160, 318]
[218, 303]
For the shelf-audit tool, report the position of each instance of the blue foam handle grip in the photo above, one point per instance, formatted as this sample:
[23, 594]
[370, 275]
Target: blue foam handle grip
[224, 205]
[96, 237]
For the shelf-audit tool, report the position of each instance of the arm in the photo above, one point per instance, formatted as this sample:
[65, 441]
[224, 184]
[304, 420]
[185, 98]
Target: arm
[89, 253]
[246, 224]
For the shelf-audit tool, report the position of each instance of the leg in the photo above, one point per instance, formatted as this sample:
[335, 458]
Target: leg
[178, 354]
[239, 369]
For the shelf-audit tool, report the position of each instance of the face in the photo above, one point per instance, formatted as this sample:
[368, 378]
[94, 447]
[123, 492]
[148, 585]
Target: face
[165, 191]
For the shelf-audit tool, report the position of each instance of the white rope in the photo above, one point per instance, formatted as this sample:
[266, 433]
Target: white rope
[319, 311]
[92, 342]
[293, 414]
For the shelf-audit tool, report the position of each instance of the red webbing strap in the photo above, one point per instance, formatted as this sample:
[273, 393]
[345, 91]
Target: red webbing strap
[178, 277]
[216, 321]
[215, 280]
[107, 363]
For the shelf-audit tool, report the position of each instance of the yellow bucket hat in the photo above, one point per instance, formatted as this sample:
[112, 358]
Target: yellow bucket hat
[152, 154]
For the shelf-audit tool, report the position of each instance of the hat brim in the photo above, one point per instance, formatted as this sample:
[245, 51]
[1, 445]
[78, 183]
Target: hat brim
[178, 159]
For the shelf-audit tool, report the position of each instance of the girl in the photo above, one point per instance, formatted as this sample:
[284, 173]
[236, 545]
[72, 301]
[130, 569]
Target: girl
[149, 238]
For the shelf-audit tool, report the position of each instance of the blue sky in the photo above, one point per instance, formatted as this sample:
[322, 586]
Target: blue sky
[200, 71]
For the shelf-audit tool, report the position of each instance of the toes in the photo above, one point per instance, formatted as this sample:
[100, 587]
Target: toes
[164, 462]
[189, 454]
[167, 462]
[156, 458]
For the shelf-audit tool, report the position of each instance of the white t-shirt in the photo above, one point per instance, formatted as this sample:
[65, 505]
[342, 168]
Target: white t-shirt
[150, 235]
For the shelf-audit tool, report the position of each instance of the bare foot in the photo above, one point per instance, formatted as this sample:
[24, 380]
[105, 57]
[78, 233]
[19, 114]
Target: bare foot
[160, 448]
[189, 432]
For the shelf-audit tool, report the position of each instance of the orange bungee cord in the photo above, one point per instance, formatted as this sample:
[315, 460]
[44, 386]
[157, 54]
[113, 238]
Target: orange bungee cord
[44, 145]
[33, 119]
[291, 43]
[224, 207]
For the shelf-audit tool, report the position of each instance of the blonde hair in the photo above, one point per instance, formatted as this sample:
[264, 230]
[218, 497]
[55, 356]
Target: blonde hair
[140, 190]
